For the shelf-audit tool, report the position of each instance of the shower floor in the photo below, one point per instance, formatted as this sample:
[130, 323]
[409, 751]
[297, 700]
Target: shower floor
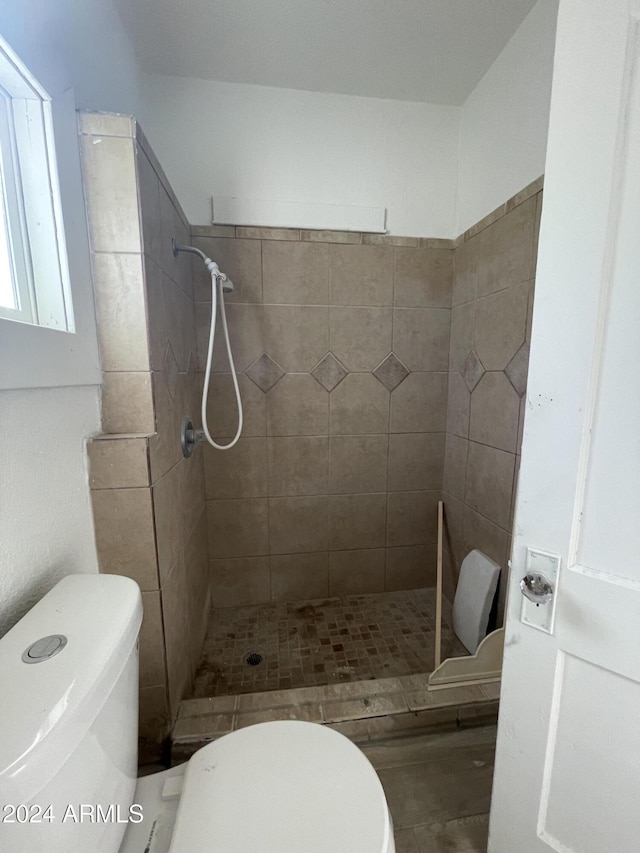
[326, 641]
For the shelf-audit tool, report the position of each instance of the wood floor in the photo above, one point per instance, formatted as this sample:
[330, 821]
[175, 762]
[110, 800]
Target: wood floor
[438, 788]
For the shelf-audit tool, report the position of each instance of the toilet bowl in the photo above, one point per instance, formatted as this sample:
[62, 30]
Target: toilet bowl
[68, 753]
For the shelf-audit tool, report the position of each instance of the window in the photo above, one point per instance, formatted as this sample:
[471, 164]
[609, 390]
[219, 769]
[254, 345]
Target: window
[34, 275]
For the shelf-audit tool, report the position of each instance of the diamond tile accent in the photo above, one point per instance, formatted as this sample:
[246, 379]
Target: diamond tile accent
[170, 371]
[391, 372]
[329, 372]
[472, 370]
[264, 372]
[518, 369]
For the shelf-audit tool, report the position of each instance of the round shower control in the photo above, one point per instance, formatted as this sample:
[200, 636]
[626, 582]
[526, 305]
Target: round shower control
[44, 648]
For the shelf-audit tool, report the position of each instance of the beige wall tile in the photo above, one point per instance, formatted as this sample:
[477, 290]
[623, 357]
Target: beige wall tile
[412, 518]
[164, 446]
[358, 463]
[458, 404]
[489, 482]
[176, 619]
[118, 284]
[419, 403]
[360, 337]
[462, 332]
[196, 560]
[297, 405]
[361, 275]
[192, 494]
[253, 233]
[118, 463]
[506, 250]
[332, 236]
[298, 465]
[296, 336]
[171, 319]
[248, 342]
[390, 240]
[500, 329]
[168, 520]
[455, 466]
[453, 540]
[172, 227]
[222, 411]
[240, 260]
[423, 278]
[356, 521]
[296, 577]
[495, 410]
[416, 461]
[411, 567]
[465, 279]
[127, 403]
[154, 723]
[298, 525]
[295, 273]
[354, 572]
[479, 532]
[421, 337]
[238, 528]
[240, 581]
[449, 576]
[105, 124]
[111, 193]
[149, 189]
[152, 661]
[124, 530]
[240, 472]
[359, 405]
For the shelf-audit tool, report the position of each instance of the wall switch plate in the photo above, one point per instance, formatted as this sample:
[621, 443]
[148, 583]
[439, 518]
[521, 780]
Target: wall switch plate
[541, 616]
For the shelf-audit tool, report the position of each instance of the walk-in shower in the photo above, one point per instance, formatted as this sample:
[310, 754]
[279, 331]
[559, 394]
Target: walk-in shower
[220, 284]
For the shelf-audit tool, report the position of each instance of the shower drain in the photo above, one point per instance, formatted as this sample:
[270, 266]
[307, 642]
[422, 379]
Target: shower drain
[253, 659]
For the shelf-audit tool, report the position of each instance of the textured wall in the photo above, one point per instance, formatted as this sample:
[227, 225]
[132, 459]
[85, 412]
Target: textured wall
[342, 343]
[148, 501]
[45, 514]
[488, 360]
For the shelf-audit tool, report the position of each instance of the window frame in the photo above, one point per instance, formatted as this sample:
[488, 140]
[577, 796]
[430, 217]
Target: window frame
[31, 197]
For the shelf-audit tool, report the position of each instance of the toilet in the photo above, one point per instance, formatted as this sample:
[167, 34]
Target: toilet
[68, 753]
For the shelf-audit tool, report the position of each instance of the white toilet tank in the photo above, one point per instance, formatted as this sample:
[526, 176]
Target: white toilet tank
[69, 720]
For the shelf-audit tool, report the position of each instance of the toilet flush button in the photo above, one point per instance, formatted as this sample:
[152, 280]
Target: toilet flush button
[44, 648]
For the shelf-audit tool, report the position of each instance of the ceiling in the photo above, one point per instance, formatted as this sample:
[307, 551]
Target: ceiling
[417, 50]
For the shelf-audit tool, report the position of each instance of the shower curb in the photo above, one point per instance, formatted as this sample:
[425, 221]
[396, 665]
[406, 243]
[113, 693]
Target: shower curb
[361, 710]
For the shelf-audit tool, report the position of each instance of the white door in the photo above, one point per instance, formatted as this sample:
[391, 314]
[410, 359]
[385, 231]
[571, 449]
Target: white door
[568, 758]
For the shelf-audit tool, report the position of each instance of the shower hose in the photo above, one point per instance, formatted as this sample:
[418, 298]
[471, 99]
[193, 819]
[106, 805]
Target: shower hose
[217, 279]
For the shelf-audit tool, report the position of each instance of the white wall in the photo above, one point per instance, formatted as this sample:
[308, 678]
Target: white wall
[46, 528]
[228, 139]
[436, 169]
[504, 122]
[76, 43]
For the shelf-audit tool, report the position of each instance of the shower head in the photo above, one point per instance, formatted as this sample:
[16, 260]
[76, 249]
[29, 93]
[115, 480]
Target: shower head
[212, 266]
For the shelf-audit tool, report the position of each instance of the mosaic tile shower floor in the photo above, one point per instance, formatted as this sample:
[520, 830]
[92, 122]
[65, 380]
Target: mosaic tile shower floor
[326, 641]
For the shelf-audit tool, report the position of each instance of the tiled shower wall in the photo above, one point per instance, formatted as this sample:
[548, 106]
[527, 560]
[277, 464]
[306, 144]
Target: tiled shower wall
[341, 341]
[492, 304]
[148, 501]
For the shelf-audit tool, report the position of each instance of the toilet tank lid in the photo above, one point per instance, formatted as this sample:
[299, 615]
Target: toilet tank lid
[48, 706]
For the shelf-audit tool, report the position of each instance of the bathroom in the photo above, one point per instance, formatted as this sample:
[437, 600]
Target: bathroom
[376, 224]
